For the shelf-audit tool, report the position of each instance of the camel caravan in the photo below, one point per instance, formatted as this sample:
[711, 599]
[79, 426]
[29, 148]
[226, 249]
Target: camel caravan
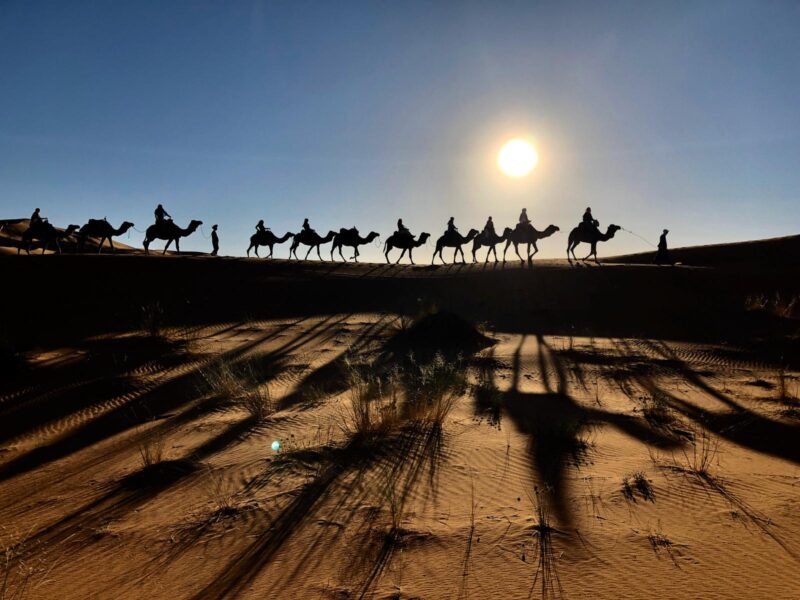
[524, 233]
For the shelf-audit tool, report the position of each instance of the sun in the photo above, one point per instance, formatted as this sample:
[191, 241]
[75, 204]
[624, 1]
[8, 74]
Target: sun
[517, 158]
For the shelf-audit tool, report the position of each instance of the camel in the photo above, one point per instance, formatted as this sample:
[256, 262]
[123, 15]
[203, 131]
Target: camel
[490, 240]
[311, 239]
[46, 233]
[167, 230]
[526, 235]
[100, 228]
[348, 237]
[453, 240]
[266, 238]
[588, 236]
[405, 242]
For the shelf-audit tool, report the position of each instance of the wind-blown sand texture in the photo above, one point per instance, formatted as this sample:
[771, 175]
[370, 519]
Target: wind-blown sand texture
[615, 432]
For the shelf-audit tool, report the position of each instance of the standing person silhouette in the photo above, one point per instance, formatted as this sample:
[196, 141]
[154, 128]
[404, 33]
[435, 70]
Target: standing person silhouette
[214, 240]
[36, 219]
[662, 256]
[161, 214]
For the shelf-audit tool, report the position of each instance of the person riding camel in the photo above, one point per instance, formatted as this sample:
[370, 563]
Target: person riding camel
[306, 226]
[36, 219]
[451, 225]
[161, 214]
[524, 221]
[589, 222]
[488, 229]
[402, 229]
[260, 226]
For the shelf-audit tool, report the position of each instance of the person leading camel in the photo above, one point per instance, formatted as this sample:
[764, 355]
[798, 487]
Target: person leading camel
[214, 240]
[662, 256]
[161, 214]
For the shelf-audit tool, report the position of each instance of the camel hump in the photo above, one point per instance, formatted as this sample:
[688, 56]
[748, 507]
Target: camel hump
[97, 221]
[344, 231]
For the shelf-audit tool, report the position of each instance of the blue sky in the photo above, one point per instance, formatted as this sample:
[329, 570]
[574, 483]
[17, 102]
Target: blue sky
[662, 114]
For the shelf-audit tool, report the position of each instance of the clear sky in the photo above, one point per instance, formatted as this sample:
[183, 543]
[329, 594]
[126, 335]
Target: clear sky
[657, 114]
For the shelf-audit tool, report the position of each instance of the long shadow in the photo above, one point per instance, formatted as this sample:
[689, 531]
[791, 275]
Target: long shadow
[555, 423]
[174, 395]
[739, 425]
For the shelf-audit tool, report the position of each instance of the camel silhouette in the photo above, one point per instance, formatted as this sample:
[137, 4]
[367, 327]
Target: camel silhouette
[266, 238]
[102, 229]
[311, 239]
[167, 230]
[488, 239]
[589, 236]
[348, 237]
[45, 233]
[526, 235]
[404, 242]
[453, 240]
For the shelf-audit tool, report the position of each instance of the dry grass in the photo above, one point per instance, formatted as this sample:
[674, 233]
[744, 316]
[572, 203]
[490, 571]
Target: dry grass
[21, 568]
[239, 384]
[151, 449]
[152, 319]
[637, 483]
[546, 577]
[783, 306]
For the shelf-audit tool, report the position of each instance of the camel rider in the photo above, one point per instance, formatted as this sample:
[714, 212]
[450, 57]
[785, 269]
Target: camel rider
[306, 226]
[161, 214]
[451, 225]
[524, 221]
[402, 229]
[260, 226]
[589, 222]
[488, 229]
[36, 218]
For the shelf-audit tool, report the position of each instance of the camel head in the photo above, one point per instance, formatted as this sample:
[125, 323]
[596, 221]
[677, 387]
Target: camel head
[551, 229]
[194, 224]
[71, 229]
[372, 235]
[423, 237]
[507, 232]
[472, 233]
[125, 226]
[612, 229]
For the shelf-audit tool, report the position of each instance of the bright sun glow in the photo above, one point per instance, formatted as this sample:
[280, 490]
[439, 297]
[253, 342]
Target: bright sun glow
[517, 158]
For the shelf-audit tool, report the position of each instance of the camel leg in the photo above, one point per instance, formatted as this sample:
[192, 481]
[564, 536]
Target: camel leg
[177, 245]
[356, 253]
[593, 251]
[463, 259]
[411, 255]
[402, 254]
[310, 248]
[532, 254]
[474, 259]
[516, 249]
[167, 246]
[318, 254]
[508, 243]
[386, 254]
[111, 243]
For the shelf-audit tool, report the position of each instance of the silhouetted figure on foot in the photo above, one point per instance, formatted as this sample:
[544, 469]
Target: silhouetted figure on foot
[662, 256]
[161, 214]
[214, 240]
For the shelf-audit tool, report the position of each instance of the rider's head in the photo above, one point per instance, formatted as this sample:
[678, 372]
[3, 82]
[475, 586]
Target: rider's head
[666, 231]
[588, 209]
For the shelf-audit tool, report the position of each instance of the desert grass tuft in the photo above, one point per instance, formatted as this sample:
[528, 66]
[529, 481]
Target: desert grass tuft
[152, 319]
[238, 384]
[546, 577]
[151, 449]
[22, 567]
[637, 483]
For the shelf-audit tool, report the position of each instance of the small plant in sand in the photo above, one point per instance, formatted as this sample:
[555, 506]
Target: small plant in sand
[238, 384]
[373, 403]
[790, 405]
[151, 449]
[546, 577]
[152, 319]
[783, 306]
[21, 569]
[638, 482]
[431, 389]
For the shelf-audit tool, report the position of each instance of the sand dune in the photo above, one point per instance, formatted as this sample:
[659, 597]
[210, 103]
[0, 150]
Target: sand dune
[583, 432]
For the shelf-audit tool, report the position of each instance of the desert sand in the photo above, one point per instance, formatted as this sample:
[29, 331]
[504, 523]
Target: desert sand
[189, 427]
